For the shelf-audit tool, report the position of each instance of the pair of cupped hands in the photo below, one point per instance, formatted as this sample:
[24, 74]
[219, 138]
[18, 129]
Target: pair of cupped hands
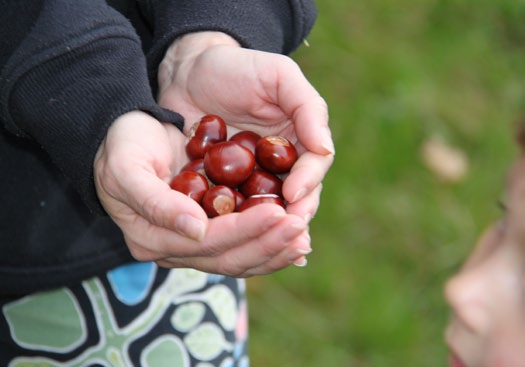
[208, 72]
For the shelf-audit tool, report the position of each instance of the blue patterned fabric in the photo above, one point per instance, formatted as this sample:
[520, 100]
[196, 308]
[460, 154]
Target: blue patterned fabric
[136, 315]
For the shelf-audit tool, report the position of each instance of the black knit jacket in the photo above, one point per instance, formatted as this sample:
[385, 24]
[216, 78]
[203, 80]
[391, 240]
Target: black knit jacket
[67, 70]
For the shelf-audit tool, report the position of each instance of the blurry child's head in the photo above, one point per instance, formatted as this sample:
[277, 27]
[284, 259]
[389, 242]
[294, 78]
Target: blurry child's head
[487, 296]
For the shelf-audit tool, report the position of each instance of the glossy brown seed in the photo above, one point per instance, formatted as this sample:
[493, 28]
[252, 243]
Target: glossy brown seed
[196, 165]
[260, 199]
[261, 182]
[209, 130]
[275, 154]
[247, 139]
[239, 199]
[228, 163]
[219, 200]
[190, 183]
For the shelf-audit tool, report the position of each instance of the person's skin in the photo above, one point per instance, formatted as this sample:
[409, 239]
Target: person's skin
[209, 73]
[487, 296]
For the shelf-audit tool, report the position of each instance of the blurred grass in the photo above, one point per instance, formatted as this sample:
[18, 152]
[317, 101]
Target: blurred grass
[388, 233]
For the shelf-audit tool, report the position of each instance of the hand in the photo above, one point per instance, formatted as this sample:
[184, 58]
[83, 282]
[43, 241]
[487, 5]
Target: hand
[133, 167]
[208, 72]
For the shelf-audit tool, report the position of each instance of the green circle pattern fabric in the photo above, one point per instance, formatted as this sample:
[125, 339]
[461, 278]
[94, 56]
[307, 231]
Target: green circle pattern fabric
[135, 315]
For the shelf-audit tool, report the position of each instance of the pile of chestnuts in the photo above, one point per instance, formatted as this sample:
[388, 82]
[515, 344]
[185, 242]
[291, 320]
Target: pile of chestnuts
[226, 175]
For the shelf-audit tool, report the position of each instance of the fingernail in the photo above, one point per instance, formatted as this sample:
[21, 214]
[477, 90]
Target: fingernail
[306, 235]
[301, 263]
[308, 217]
[329, 148]
[273, 220]
[303, 251]
[328, 143]
[293, 231]
[298, 255]
[190, 227]
[299, 195]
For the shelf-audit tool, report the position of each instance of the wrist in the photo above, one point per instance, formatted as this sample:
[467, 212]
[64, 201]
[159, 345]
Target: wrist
[187, 48]
[194, 43]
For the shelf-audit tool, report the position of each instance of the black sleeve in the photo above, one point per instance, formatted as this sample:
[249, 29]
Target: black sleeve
[269, 25]
[67, 70]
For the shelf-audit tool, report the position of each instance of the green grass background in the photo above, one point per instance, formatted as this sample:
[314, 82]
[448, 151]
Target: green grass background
[389, 233]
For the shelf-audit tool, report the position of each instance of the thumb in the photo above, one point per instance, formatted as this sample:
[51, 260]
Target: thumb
[132, 169]
[300, 100]
[154, 200]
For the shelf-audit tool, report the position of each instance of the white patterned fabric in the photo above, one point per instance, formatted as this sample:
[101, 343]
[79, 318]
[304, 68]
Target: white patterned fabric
[136, 315]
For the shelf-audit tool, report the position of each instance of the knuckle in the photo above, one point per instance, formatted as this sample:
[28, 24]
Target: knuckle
[152, 209]
[141, 254]
[232, 266]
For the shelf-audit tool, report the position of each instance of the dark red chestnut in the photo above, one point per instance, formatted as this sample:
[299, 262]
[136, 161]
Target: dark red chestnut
[235, 174]
[219, 200]
[208, 131]
[247, 139]
[228, 163]
[261, 182]
[196, 165]
[239, 199]
[190, 183]
[260, 199]
[275, 154]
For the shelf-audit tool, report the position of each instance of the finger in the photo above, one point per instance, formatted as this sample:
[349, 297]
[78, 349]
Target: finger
[254, 258]
[307, 206]
[148, 241]
[311, 125]
[225, 232]
[242, 260]
[308, 110]
[236, 229]
[306, 174]
[293, 254]
[162, 207]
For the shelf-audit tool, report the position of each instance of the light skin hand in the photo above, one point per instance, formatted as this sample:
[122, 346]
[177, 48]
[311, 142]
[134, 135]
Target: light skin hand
[208, 72]
[132, 169]
[267, 93]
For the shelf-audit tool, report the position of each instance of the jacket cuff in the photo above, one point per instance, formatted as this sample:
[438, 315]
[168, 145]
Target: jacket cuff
[277, 26]
[67, 104]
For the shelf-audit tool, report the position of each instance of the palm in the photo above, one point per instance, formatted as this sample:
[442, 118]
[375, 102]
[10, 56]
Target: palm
[261, 92]
[240, 91]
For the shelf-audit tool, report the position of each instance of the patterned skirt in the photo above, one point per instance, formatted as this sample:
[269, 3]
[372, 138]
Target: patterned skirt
[135, 315]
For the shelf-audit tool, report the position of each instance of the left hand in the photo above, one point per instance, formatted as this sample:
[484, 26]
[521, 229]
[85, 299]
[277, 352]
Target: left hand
[132, 169]
[208, 72]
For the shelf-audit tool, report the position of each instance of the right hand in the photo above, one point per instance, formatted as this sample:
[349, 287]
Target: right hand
[133, 167]
[208, 72]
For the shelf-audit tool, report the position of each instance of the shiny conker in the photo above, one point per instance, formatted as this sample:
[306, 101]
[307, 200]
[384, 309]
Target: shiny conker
[247, 139]
[226, 175]
[261, 199]
[190, 183]
[219, 200]
[275, 153]
[261, 182]
[209, 130]
[196, 165]
[239, 199]
[228, 163]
